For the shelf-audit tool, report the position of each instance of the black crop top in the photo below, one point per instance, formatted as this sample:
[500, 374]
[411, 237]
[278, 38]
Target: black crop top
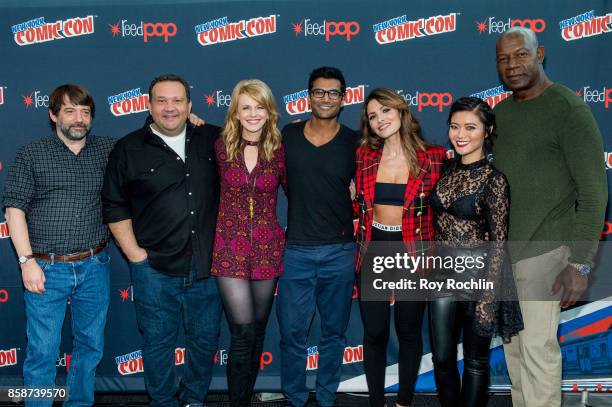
[387, 193]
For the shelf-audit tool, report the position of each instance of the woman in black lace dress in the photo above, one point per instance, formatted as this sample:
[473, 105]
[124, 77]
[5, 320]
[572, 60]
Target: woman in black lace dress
[471, 202]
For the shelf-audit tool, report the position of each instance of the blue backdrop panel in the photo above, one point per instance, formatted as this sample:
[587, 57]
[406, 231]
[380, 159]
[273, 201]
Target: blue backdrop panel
[432, 53]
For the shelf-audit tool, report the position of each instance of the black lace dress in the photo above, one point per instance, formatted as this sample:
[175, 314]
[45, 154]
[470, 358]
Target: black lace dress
[471, 205]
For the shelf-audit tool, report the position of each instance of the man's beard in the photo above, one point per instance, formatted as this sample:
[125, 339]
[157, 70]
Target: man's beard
[73, 134]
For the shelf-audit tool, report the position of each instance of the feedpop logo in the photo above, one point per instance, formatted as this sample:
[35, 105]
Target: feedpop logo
[143, 29]
[37, 99]
[491, 25]
[438, 100]
[328, 29]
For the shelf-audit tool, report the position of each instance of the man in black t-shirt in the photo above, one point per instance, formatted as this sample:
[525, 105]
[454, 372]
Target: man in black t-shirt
[318, 267]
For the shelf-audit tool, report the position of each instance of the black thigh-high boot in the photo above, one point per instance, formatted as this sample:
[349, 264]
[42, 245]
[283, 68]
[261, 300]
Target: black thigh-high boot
[239, 380]
[260, 336]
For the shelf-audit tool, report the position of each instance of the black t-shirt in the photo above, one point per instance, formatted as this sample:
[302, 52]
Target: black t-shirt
[318, 178]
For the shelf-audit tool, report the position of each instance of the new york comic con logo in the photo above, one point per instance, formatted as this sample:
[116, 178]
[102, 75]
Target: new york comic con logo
[493, 25]
[143, 29]
[585, 25]
[8, 357]
[4, 229]
[352, 354]
[131, 363]
[328, 29]
[298, 102]
[493, 95]
[608, 161]
[401, 29]
[37, 30]
[128, 102]
[221, 30]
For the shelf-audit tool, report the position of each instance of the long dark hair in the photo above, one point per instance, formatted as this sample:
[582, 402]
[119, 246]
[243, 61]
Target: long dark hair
[484, 113]
[410, 129]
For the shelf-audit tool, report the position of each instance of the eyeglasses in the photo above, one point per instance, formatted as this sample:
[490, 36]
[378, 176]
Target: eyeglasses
[320, 94]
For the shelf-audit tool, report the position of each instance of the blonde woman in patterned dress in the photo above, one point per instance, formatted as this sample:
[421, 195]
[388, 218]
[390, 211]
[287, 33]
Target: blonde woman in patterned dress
[249, 241]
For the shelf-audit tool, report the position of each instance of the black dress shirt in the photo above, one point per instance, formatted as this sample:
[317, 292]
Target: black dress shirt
[59, 191]
[172, 204]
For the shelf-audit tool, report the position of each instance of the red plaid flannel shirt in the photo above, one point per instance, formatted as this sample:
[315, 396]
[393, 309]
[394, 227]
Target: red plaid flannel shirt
[417, 217]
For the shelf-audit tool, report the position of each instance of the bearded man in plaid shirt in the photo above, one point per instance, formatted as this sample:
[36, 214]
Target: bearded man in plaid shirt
[54, 212]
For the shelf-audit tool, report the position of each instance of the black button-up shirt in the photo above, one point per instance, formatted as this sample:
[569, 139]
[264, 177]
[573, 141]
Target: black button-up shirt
[172, 204]
[59, 191]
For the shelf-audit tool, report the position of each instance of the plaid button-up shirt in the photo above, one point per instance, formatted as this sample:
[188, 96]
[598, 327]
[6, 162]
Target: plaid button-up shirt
[60, 193]
[417, 227]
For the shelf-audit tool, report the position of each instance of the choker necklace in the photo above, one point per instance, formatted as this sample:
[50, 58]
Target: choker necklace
[250, 143]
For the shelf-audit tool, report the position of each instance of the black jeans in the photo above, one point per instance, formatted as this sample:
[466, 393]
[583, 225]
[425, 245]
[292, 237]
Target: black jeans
[446, 318]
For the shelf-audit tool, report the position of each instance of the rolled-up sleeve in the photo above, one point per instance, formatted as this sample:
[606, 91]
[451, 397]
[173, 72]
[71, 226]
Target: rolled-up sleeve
[20, 184]
[115, 202]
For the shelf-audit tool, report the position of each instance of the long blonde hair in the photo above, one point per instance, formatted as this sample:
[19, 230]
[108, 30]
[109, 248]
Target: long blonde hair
[270, 140]
[410, 129]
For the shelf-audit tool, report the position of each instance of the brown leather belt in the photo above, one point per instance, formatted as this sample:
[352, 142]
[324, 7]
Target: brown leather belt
[68, 258]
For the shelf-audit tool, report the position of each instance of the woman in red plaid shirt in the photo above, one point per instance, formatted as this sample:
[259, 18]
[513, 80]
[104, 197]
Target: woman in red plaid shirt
[396, 172]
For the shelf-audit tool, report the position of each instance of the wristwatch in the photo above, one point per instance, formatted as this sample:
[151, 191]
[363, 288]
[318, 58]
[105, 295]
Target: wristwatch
[584, 269]
[24, 259]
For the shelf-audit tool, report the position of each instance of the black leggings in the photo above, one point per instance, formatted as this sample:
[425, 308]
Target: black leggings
[376, 315]
[446, 317]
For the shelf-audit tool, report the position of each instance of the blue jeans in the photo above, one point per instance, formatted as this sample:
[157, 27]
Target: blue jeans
[163, 303]
[86, 284]
[321, 277]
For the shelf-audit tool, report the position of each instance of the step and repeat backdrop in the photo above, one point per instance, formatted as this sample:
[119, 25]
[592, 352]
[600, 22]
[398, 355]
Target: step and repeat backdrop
[430, 52]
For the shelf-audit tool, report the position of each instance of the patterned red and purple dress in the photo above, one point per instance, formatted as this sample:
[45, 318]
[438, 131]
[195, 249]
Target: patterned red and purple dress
[249, 241]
